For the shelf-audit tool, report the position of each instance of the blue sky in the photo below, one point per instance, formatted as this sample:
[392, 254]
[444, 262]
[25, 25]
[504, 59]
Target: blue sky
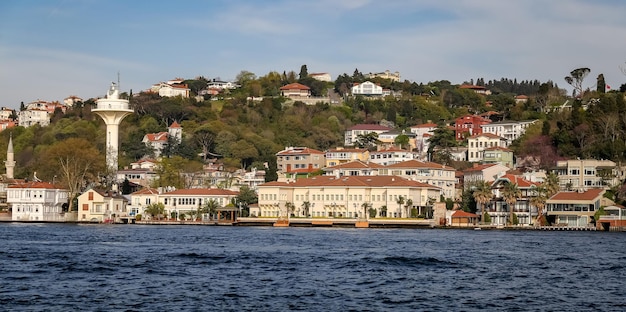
[52, 49]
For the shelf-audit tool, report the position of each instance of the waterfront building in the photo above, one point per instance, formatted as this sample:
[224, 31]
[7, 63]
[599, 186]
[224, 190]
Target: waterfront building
[500, 211]
[574, 208]
[141, 199]
[37, 201]
[101, 206]
[189, 201]
[345, 197]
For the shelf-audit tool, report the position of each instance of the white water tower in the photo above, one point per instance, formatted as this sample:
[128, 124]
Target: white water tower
[112, 110]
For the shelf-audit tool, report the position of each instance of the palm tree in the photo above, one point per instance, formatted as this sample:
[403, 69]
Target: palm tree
[306, 206]
[551, 184]
[366, 207]
[211, 208]
[408, 205]
[400, 202]
[539, 201]
[482, 195]
[290, 208]
[511, 193]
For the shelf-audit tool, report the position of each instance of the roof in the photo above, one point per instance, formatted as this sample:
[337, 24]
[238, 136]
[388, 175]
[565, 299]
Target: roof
[202, 191]
[473, 87]
[34, 184]
[156, 137]
[587, 195]
[488, 135]
[426, 125]
[298, 151]
[146, 191]
[174, 125]
[390, 149]
[347, 150]
[413, 163]
[373, 127]
[521, 182]
[356, 164]
[463, 214]
[479, 167]
[295, 86]
[353, 181]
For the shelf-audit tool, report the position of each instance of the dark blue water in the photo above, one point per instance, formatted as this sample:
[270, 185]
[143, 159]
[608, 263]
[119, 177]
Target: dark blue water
[59, 267]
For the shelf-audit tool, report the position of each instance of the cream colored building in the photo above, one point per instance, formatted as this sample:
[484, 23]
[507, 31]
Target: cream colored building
[385, 75]
[299, 160]
[587, 173]
[431, 173]
[343, 197]
[101, 206]
[477, 144]
[341, 155]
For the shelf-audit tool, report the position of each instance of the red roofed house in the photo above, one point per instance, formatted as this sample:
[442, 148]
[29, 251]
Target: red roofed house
[353, 168]
[36, 201]
[469, 125]
[171, 88]
[486, 172]
[461, 218]
[478, 89]
[344, 197]
[295, 90]
[499, 210]
[352, 133]
[574, 209]
[294, 161]
[157, 141]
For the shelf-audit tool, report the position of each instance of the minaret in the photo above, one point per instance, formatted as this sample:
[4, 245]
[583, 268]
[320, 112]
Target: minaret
[112, 110]
[10, 162]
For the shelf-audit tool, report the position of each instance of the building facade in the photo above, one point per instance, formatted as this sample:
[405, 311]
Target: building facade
[352, 134]
[101, 206]
[510, 130]
[587, 173]
[36, 201]
[477, 144]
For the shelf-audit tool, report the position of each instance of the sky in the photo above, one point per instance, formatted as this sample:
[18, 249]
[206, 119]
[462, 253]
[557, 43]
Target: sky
[52, 49]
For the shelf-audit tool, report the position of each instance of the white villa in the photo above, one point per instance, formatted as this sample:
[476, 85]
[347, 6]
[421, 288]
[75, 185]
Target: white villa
[510, 130]
[367, 88]
[36, 201]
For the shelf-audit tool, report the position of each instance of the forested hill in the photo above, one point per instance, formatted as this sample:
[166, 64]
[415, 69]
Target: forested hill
[244, 133]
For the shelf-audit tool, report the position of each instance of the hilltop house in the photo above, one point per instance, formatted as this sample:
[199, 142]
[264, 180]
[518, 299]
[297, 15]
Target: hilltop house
[295, 90]
[367, 88]
[352, 133]
[158, 141]
[395, 76]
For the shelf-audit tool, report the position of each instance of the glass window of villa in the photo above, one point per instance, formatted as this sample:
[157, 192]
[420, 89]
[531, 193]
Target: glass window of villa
[590, 171]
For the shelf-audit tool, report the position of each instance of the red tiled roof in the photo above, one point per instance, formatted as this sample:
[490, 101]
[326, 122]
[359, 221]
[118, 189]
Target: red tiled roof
[365, 181]
[372, 127]
[390, 149]
[473, 87]
[34, 184]
[521, 182]
[479, 167]
[587, 195]
[146, 191]
[463, 214]
[203, 191]
[413, 163]
[295, 86]
[299, 151]
[357, 164]
[426, 125]
[347, 150]
[174, 125]
[157, 137]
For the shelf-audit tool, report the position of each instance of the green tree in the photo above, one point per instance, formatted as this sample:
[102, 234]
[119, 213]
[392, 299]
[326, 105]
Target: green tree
[246, 197]
[402, 141]
[306, 208]
[155, 210]
[482, 194]
[510, 194]
[78, 161]
[211, 207]
[303, 72]
[400, 202]
[576, 78]
[538, 199]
